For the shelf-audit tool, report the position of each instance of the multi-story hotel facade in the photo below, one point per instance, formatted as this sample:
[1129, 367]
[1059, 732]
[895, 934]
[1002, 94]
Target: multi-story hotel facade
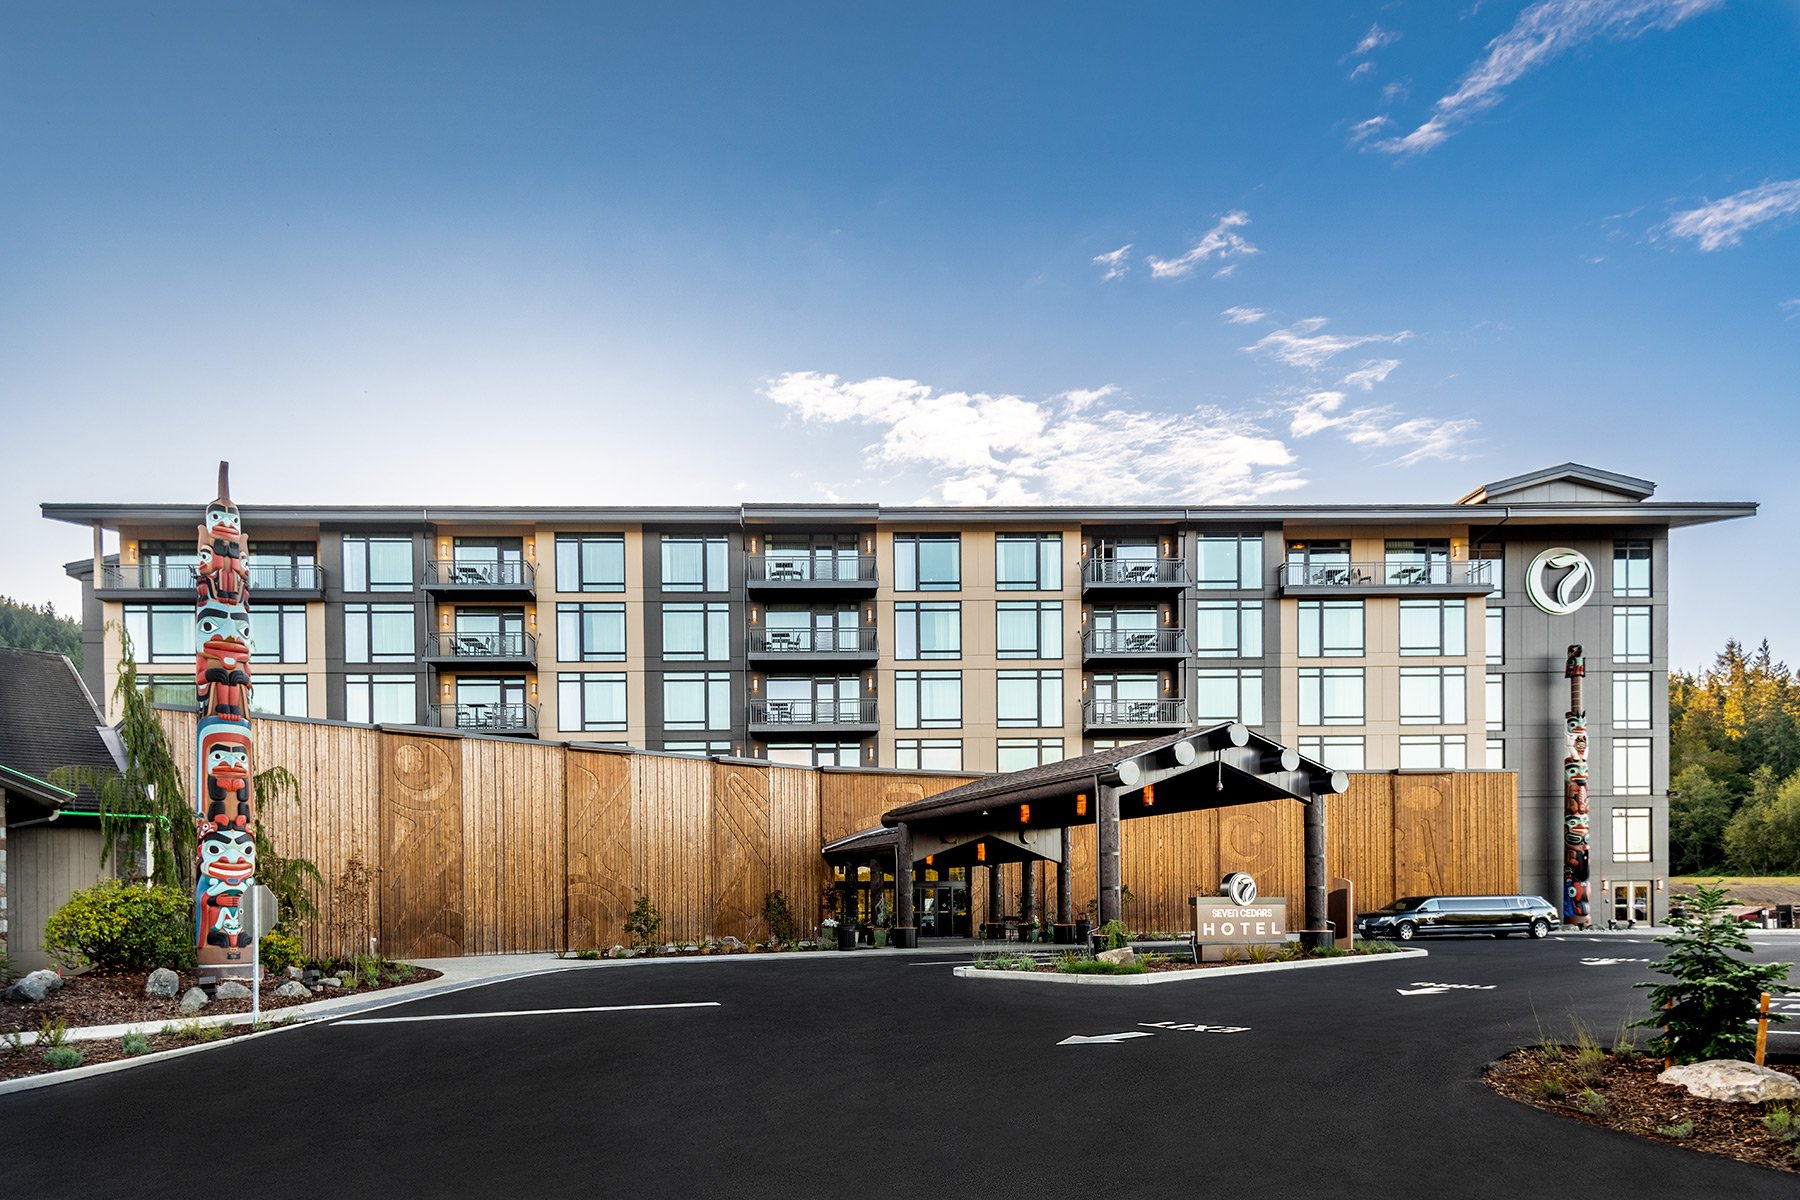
[1369, 637]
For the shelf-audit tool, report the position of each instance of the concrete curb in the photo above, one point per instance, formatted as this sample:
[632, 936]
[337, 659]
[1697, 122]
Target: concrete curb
[1212, 973]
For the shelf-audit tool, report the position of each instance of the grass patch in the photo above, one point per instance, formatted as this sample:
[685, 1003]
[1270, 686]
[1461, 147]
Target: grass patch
[134, 1044]
[1093, 966]
[62, 1058]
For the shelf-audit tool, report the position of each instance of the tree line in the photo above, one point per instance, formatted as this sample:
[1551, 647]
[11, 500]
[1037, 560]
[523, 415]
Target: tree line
[1734, 766]
[28, 627]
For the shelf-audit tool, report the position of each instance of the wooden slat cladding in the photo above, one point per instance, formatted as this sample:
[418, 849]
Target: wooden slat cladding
[481, 845]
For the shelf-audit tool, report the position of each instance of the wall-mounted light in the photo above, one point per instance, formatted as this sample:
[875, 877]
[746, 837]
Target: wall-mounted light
[869, 615]
[531, 620]
[869, 544]
[980, 851]
[755, 683]
[753, 614]
[1024, 814]
[871, 684]
[446, 689]
[753, 543]
[1081, 804]
[443, 549]
[1149, 795]
[1165, 680]
[446, 618]
[930, 858]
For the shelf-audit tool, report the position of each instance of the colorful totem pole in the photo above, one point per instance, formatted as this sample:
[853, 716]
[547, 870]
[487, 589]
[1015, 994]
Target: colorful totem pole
[1576, 910]
[224, 806]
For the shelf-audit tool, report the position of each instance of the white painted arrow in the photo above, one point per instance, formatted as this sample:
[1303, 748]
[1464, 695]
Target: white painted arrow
[1424, 991]
[1078, 1040]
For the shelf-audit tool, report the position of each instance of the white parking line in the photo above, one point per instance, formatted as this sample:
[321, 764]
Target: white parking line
[528, 1012]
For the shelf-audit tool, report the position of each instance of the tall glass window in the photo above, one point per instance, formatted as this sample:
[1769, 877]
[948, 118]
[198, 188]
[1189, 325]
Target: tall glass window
[277, 696]
[1496, 702]
[1495, 636]
[1331, 695]
[1228, 629]
[927, 562]
[278, 635]
[1340, 752]
[166, 564]
[1331, 628]
[1631, 700]
[161, 633]
[1434, 628]
[1317, 563]
[1016, 754]
[590, 562]
[378, 633]
[1228, 696]
[1029, 699]
[1028, 562]
[1433, 696]
[697, 700]
[1631, 834]
[1631, 633]
[696, 631]
[378, 564]
[1418, 560]
[1432, 752]
[1028, 629]
[590, 701]
[928, 629]
[1631, 568]
[694, 564]
[590, 632]
[1229, 560]
[381, 699]
[927, 699]
[1631, 766]
[928, 754]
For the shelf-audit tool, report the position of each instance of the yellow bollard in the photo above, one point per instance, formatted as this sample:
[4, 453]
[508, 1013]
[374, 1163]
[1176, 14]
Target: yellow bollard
[1762, 1030]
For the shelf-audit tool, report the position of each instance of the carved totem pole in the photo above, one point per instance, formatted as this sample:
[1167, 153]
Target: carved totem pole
[1576, 910]
[224, 808]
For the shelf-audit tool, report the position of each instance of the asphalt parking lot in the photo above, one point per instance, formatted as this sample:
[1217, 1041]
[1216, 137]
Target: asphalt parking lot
[874, 1075]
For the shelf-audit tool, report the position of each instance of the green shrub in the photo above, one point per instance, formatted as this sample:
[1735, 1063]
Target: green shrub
[52, 1033]
[1259, 952]
[399, 972]
[1677, 1131]
[115, 927]
[1378, 946]
[779, 918]
[1784, 1123]
[281, 950]
[63, 1057]
[1590, 1065]
[1709, 1009]
[134, 1044]
[1093, 966]
[643, 922]
[1590, 1102]
[1117, 936]
[588, 955]
[1551, 1087]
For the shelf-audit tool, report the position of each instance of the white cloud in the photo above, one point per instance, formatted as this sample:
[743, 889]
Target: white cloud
[1371, 373]
[1364, 130]
[1791, 308]
[1237, 314]
[1392, 93]
[1362, 68]
[1114, 262]
[1302, 345]
[1724, 222]
[1219, 242]
[1541, 33]
[1375, 39]
[1225, 272]
[988, 449]
[1380, 427]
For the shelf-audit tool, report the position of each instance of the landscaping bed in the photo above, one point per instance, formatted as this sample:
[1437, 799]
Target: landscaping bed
[1619, 1091]
[30, 1060]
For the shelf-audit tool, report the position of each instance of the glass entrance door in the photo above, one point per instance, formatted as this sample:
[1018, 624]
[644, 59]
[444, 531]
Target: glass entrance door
[942, 909]
[1631, 903]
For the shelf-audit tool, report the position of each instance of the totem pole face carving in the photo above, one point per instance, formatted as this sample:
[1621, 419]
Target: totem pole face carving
[223, 571]
[225, 762]
[1575, 796]
[227, 865]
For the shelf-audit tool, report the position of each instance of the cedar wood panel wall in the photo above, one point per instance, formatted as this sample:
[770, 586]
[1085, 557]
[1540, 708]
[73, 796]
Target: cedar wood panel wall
[481, 845]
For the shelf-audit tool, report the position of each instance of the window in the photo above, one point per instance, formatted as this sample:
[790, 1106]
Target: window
[1631, 834]
[1229, 629]
[694, 564]
[928, 754]
[1432, 753]
[1015, 754]
[1631, 767]
[695, 700]
[487, 560]
[1418, 561]
[815, 754]
[1496, 754]
[1433, 627]
[927, 699]
[700, 748]
[1228, 696]
[1488, 566]
[1229, 560]
[1331, 628]
[378, 564]
[693, 631]
[283, 565]
[165, 564]
[1028, 629]
[1631, 634]
[1331, 696]
[590, 562]
[278, 696]
[1029, 562]
[927, 562]
[590, 700]
[590, 633]
[1631, 568]
[1631, 700]
[178, 690]
[1316, 563]
[1494, 636]
[278, 635]
[1496, 702]
[161, 633]
[378, 633]
[1127, 629]
[1432, 696]
[381, 699]
[928, 629]
[823, 630]
[1340, 752]
[1024, 699]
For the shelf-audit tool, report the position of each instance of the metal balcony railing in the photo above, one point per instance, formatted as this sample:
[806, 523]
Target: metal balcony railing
[481, 646]
[1134, 712]
[1471, 573]
[812, 712]
[800, 568]
[480, 573]
[181, 577]
[490, 718]
[1162, 641]
[1138, 572]
[812, 641]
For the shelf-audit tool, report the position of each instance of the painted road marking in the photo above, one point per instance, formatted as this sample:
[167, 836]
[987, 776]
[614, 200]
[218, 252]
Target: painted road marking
[1438, 989]
[528, 1012]
[1607, 962]
[1189, 1027]
[1079, 1040]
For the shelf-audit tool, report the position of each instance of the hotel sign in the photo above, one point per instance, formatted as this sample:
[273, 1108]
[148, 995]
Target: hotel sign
[1219, 921]
[1573, 588]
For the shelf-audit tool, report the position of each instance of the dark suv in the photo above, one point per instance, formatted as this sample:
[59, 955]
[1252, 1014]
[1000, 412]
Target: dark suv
[1412, 916]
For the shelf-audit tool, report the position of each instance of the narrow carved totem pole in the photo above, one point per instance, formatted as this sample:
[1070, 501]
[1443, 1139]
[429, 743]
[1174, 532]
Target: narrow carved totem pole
[224, 808]
[1575, 800]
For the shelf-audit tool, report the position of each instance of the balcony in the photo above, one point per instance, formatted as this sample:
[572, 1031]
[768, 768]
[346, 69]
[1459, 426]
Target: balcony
[780, 646]
[821, 574]
[1134, 714]
[518, 719]
[1472, 577]
[175, 581]
[483, 650]
[1133, 645]
[481, 578]
[1133, 575]
[775, 718]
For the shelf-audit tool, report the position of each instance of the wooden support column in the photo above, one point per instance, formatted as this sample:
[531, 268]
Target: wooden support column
[1316, 933]
[906, 933]
[1106, 858]
[1065, 881]
[875, 889]
[996, 896]
[1028, 892]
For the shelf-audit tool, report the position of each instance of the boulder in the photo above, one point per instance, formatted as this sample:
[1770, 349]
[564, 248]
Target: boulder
[1124, 956]
[231, 989]
[35, 986]
[294, 973]
[730, 943]
[193, 1001]
[1732, 1081]
[163, 982]
[293, 989]
[331, 981]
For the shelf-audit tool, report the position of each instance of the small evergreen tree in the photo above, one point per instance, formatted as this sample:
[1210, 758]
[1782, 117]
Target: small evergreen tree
[779, 918]
[643, 922]
[1707, 1009]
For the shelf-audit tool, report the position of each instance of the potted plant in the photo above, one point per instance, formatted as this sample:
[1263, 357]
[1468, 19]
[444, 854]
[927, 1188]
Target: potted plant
[882, 920]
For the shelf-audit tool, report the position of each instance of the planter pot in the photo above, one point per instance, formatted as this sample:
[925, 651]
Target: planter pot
[1063, 935]
[881, 938]
[846, 937]
[1083, 927]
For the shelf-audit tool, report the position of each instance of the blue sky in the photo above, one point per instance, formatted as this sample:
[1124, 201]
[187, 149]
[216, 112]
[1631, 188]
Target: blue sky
[1301, 253]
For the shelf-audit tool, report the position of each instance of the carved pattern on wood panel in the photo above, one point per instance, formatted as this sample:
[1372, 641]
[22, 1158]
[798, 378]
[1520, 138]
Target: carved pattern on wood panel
[599, 884]
[422, 852]
[740, 847]
[1244, 844]
[1422, 833]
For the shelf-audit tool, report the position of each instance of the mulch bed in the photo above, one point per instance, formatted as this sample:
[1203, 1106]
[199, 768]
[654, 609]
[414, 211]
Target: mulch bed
[119, 999]
[1637, 1104]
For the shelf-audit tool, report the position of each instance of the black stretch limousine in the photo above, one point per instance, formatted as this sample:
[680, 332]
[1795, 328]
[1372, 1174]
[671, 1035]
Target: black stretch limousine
[1415, 916]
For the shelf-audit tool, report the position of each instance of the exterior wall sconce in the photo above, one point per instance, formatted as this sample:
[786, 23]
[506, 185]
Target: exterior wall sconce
[755, 684]
[980, 851]
[1081, 804]
[869, 615]
[753, 543]
[929, 859]
[753, 614]
[1149, 795]
[531, 619]
[869, 544]
[446, 689]
[871, 683]
[446, 621]
[1024, 813]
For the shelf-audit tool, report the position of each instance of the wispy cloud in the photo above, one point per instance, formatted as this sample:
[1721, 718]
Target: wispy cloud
[1114, 262]
[1791, 308]
[1371, 373]
[1375, 39]
[1723, 223]
[1220, 242]
[1541, 33]
[1237, 314]
[1302, 345]
[1362, 131]
[1080, 445]
[1360, 69]
[1392, 93]
[1380, 427]
[1225, 272]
